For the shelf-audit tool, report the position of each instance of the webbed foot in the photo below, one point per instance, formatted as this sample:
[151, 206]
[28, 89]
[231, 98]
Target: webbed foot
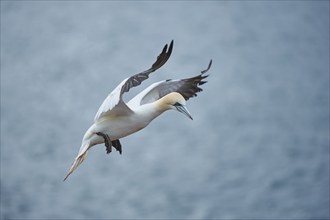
[107, 141]
[116, 144]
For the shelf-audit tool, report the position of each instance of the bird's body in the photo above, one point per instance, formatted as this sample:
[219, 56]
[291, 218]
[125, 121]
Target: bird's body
[116, 119]
[119, 126]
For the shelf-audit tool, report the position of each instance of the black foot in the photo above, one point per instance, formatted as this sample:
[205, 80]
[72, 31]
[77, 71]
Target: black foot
[116, 144]
[107, 141]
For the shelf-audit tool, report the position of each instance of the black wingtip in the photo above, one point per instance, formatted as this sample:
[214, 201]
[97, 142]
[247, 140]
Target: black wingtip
[171, 44]
[170, 48]
[164, 49]
[207, 69]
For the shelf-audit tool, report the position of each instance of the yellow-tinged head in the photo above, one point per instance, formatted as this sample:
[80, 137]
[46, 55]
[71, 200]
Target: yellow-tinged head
[174, 101]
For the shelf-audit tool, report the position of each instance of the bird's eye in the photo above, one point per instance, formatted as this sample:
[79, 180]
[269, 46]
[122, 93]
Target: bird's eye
[177, 104]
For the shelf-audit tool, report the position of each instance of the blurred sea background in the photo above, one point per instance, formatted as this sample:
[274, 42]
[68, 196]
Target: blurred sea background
[258, 147]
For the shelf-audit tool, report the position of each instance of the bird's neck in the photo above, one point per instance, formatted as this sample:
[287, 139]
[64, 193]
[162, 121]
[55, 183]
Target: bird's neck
[152, 110]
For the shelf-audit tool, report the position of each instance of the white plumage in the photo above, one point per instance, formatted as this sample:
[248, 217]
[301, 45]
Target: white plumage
[116, 119]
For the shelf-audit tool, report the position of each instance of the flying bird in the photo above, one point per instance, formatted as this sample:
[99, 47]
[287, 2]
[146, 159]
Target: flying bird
[116, 119]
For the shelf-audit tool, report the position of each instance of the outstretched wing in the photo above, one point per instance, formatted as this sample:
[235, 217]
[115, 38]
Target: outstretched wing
[137, 79]
[114, 103]
[186, 87]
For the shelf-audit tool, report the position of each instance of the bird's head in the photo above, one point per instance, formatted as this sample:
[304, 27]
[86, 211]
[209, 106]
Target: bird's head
[175, 101]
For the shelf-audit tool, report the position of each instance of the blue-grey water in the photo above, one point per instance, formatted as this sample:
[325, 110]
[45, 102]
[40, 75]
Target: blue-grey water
[258, 147]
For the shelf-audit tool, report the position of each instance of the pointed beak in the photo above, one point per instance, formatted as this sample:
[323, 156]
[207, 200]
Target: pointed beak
[184, 110]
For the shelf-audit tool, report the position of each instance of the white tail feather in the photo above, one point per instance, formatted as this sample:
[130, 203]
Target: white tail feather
[79, 159]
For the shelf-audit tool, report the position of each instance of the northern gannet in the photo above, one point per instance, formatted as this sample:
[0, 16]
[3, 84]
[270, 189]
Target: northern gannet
[116, 119]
